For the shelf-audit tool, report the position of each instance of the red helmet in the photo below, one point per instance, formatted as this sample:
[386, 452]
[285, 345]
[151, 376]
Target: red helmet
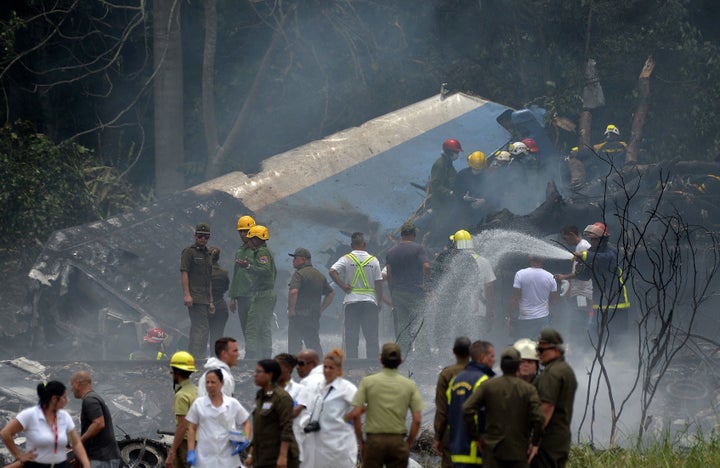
[532, 146]
[452, 145]
[155, 335]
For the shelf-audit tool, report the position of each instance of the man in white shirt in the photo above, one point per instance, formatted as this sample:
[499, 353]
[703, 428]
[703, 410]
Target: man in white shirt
[534, 289]
[578, 299]
[309, 368]
[359, 275]
[227, 355]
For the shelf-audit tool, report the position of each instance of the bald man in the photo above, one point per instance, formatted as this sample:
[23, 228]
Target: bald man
[96, 427]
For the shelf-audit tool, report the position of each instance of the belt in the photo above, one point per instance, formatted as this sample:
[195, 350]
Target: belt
[32, 464]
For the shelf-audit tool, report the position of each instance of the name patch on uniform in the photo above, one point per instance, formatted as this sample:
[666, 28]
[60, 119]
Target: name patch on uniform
[267, 405]
[264, 259]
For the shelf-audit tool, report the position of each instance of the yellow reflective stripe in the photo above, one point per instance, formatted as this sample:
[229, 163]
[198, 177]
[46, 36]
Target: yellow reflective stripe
[626, 301]
[360, 274]
[448, 392]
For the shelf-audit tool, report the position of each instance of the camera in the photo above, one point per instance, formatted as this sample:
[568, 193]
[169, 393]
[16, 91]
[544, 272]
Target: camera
[312, 426]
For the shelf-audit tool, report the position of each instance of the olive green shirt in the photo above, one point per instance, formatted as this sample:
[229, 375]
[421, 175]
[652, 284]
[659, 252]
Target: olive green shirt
[242, 279]
[512, 416]
[197, 262]
[556, 385]
[273, 424]
[388, 396]
[312, 286]
[185, 394]
[262, 270]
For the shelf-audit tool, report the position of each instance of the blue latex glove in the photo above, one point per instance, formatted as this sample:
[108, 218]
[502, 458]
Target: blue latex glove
[191, 458]
[239, 446]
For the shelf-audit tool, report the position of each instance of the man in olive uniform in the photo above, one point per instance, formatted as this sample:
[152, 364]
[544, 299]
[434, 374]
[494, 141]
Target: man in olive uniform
[261, 267]
[512, 409]
[556, 385]
[310, 294]
[196, 278]
[385, 398]
[239, 293]
[441, 443]
[182, 365]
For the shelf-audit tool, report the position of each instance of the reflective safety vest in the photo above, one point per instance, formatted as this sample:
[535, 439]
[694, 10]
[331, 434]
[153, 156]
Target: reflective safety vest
[462, 448]
[360, 275]
[623, 303]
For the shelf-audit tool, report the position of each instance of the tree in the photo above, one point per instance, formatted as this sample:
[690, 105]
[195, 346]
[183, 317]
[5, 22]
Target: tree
[168, 96]
[670, 267]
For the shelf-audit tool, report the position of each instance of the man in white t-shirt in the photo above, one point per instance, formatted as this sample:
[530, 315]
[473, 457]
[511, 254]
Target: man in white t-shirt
[359, 275]
[534, 289]
[577, 300]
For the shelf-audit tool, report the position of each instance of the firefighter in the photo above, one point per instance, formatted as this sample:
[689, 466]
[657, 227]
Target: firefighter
[609, 152]
[442, 186]
[469, 186]
[610, 297]
[152, 347]
[261, 267]
[240, 296]
[529, 361]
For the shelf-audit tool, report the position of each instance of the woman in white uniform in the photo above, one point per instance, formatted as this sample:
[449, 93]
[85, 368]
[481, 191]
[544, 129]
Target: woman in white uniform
[333, 444]
[212, 418]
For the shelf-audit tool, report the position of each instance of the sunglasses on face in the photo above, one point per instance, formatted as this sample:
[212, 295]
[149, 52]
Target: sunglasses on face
[301, 363]
[202, 236]
[541, 350]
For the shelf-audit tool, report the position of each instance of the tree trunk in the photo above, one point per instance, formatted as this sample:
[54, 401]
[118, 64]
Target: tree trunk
[168, 97]
[216, 159]
[641, 112]
[208, 80]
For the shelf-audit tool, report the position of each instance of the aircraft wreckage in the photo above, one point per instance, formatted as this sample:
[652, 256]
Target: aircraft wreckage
[97, 288]
[105, 283]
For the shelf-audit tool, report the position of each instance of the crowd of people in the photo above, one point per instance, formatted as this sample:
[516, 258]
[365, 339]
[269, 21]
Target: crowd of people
[324, 420]
[513, 177]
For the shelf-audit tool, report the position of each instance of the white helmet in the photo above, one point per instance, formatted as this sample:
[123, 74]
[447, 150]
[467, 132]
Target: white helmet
[526, 347]
[518, 148]
[503, 156]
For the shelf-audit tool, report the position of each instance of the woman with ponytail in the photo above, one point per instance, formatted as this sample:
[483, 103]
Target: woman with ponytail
[48, 428]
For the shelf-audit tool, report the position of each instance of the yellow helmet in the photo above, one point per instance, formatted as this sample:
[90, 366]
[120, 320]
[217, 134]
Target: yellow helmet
[526, 347]
[260, 232]
[462, 234]
[184, 361]
[477, 160]
[462, 239]
[612, 129]
[245, 222]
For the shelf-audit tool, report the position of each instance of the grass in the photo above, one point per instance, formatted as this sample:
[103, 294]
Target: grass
[704, 452]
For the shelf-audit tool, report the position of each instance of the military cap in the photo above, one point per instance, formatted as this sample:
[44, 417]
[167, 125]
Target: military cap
[202, 228]
[301, 252]
[550, 336]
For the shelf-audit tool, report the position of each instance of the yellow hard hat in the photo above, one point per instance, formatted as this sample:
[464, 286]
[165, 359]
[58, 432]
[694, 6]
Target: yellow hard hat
[462, 234]
[245, 222]
[260, 232]
[612, 129]
[477, 160]
[184, 361]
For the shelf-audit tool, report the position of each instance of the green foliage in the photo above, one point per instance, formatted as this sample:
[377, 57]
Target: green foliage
[46, 186]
